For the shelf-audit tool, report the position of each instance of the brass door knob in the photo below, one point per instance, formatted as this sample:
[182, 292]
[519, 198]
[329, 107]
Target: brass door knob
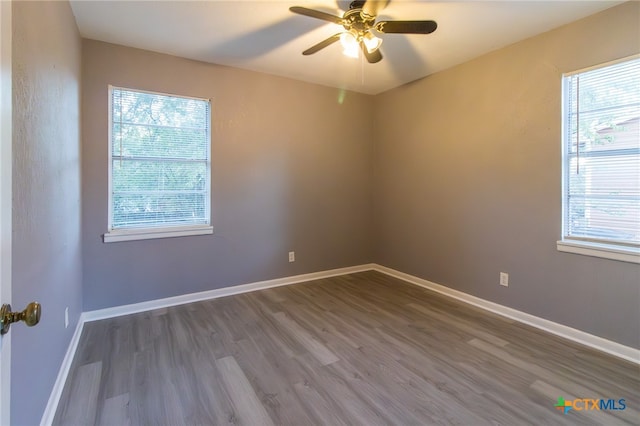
[30, 316]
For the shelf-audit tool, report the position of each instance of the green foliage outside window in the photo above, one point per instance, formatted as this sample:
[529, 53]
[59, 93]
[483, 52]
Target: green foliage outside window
[159, 160]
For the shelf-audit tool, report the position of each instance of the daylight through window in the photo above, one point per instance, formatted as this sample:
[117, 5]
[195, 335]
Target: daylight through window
[601, 154]
[159, 160]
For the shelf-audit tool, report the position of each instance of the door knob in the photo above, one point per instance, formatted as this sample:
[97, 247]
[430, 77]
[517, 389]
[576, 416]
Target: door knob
[30, 316]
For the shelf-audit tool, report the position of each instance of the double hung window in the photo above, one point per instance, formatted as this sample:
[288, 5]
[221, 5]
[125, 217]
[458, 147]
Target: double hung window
[159, 165]
[601, 161]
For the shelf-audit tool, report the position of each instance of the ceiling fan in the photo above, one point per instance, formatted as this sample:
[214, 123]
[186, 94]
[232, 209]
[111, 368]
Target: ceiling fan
[358, 22]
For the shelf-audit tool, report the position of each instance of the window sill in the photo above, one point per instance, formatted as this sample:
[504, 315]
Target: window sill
[606, 251]
[152, 233]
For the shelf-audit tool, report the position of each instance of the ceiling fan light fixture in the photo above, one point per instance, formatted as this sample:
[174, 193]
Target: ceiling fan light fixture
[349, 42]
[371, 42]
[361, 25]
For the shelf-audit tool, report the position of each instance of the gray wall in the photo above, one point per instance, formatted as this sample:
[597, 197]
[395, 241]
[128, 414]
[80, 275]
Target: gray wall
[291, 170]
[465, 166]
[453, 178]
[46, 197]
[467, 172]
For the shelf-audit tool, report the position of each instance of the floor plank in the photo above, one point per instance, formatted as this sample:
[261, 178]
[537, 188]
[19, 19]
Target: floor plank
[85, 387]
[360, 349]
[248, 406]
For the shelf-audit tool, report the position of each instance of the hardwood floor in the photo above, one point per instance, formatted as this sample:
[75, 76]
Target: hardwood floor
[357, 349]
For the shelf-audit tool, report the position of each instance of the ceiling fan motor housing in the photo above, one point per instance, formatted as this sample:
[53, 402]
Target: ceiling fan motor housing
[358, 21]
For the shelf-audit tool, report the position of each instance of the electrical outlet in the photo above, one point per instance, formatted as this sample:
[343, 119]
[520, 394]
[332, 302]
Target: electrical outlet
[66, 317]
[292, 256]
[504, 279]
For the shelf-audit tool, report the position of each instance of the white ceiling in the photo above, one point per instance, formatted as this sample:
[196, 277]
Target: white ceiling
[265, 36]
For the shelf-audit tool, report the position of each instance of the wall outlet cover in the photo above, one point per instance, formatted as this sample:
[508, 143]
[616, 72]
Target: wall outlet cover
[504, 279]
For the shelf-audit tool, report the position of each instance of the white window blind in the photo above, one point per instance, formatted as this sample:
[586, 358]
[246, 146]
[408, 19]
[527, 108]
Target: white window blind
[602, 154]
[159, 160]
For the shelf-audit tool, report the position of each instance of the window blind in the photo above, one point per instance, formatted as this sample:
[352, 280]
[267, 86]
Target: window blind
[602, 154]
[160, 165]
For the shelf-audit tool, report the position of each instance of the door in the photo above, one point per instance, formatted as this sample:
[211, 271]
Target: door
[5, 201]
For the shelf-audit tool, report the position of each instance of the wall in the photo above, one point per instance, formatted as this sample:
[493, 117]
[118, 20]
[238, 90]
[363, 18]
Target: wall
[467, 172]
[46, 250]
[291, 170]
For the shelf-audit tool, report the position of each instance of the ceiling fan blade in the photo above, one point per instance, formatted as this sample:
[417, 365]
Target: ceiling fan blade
[316, 14]
[373, 57]
[313, 49]
[406, 27]
[373, 7]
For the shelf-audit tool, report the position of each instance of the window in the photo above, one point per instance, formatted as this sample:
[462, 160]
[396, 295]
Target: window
[159, 165]
[601, 161]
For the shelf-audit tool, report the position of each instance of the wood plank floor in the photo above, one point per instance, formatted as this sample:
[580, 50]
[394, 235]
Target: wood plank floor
[362, 349]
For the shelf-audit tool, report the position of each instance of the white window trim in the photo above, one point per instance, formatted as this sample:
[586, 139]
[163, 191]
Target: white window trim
[587, 248]
[151, 233]
[605, 251]
[118, 235]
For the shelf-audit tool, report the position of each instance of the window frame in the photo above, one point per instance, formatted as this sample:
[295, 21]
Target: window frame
[145, 233]
[576, 245]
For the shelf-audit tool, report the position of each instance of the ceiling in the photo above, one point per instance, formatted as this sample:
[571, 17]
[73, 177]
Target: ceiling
[265, 36]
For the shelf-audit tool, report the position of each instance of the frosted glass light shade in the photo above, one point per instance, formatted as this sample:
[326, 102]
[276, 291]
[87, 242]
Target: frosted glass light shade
[371, 42]
[350, 46]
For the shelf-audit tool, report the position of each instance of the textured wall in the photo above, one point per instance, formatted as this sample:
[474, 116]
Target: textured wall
[291, 170]
[467, 172]
[46, 197]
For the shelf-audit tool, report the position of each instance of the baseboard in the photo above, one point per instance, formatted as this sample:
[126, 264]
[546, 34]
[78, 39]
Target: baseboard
[58, 386]
[220, 292]
[596, 342]
[599, 343]
[604, 345]
[63, 373]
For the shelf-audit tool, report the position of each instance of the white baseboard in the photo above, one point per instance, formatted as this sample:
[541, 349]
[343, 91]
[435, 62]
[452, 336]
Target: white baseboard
[219, 292]
[58, 386]
[63, 373]
[604, 345]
